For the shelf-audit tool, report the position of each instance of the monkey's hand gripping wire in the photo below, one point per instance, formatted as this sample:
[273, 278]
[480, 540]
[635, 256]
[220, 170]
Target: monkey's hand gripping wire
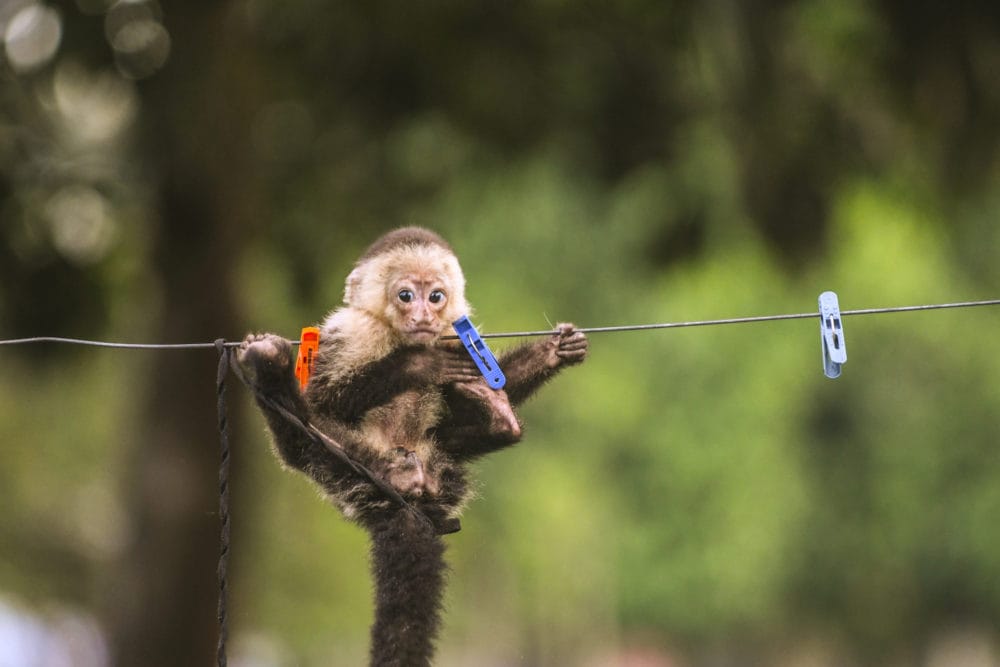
[322, 439]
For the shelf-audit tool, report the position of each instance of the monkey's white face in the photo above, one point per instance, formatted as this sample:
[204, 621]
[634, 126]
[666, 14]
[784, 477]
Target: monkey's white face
[416, 290]
[419, 303]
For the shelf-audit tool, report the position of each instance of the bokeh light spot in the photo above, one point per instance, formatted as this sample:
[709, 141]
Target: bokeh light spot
[32, 37]
[81, 224]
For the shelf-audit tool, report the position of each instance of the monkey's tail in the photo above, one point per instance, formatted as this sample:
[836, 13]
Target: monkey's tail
[409, 569]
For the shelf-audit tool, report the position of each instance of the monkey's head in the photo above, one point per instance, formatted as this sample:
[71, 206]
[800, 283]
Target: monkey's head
[409, 279]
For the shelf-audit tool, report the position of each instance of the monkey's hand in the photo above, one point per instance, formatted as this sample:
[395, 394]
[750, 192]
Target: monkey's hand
[440, 365]
[266, 359]
[528, 366]
[567, 347]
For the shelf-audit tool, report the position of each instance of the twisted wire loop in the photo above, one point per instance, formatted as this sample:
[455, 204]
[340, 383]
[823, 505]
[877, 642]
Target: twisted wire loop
[223, 568]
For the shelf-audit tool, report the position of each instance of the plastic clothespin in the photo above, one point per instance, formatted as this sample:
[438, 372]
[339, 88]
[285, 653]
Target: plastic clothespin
[832, 334]
[308, 344]
[481, 354]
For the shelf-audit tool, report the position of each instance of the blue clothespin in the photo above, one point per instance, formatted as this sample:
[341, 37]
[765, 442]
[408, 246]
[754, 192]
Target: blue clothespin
[832, 334]
[481, 354]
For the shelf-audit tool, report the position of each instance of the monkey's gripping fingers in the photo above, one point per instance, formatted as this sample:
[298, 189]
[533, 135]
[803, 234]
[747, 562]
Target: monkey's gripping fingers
[571, 345]
[266, 359]
[457, 366]
[439, 366]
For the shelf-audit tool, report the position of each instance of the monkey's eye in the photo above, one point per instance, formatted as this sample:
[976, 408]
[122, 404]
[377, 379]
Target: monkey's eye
[405, 295]
[437, 296]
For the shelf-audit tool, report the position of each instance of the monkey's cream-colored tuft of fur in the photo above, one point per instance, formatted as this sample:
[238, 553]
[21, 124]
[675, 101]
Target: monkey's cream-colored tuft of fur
[363, 329]
[358, 337]
[366, 287]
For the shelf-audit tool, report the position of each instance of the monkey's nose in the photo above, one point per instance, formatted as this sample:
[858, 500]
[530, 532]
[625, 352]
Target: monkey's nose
[421, 314]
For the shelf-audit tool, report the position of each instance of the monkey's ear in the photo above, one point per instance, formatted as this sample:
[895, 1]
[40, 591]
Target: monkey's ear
[351, 286]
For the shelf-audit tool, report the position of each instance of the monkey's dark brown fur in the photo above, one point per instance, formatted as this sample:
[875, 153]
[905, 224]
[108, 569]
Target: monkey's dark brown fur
[409, 407]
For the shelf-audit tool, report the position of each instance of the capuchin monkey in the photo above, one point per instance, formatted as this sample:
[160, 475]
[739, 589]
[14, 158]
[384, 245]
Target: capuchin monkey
[408, 406]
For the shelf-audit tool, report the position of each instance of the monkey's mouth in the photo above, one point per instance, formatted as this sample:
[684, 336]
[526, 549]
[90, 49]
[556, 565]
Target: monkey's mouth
[422, 335]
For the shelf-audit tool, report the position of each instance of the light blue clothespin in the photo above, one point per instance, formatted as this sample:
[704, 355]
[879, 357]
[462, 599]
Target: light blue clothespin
[481, 354]
[832, 334]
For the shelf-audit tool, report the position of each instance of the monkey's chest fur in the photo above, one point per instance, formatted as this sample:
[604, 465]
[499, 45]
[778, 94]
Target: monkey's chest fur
[395, 440]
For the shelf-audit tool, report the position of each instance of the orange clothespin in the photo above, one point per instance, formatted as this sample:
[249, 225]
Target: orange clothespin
[308, 344]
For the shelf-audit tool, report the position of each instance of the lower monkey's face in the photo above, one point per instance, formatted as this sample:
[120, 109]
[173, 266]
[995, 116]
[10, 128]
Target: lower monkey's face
[421, 337]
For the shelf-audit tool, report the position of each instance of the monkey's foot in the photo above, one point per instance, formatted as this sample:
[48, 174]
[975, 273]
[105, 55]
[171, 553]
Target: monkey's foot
[264, 357]
[443, 524]
[503, 421]
[447, 526]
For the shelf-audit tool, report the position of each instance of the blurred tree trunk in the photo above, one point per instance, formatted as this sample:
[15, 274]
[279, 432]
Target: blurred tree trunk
[196, 115]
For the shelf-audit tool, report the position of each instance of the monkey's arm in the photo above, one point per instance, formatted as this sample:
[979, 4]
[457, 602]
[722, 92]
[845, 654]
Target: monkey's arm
[529, 366]
[482, 420]
[347, 396]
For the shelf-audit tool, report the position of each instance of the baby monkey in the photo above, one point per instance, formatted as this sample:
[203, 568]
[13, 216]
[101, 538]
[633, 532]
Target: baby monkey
[408, 406]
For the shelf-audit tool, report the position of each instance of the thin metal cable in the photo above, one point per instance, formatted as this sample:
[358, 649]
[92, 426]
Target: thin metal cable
[119, 346]
[743, 320]
[545, 332]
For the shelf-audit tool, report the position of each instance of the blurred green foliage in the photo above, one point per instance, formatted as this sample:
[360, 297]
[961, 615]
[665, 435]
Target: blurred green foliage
[696, 496]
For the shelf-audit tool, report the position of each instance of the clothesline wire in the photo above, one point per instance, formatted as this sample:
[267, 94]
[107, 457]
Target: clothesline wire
[525, 334]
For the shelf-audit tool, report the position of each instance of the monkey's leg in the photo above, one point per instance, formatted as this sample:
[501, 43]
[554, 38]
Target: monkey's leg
[497, 417]
[266, 361]
[322, 449]
[481, 420]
